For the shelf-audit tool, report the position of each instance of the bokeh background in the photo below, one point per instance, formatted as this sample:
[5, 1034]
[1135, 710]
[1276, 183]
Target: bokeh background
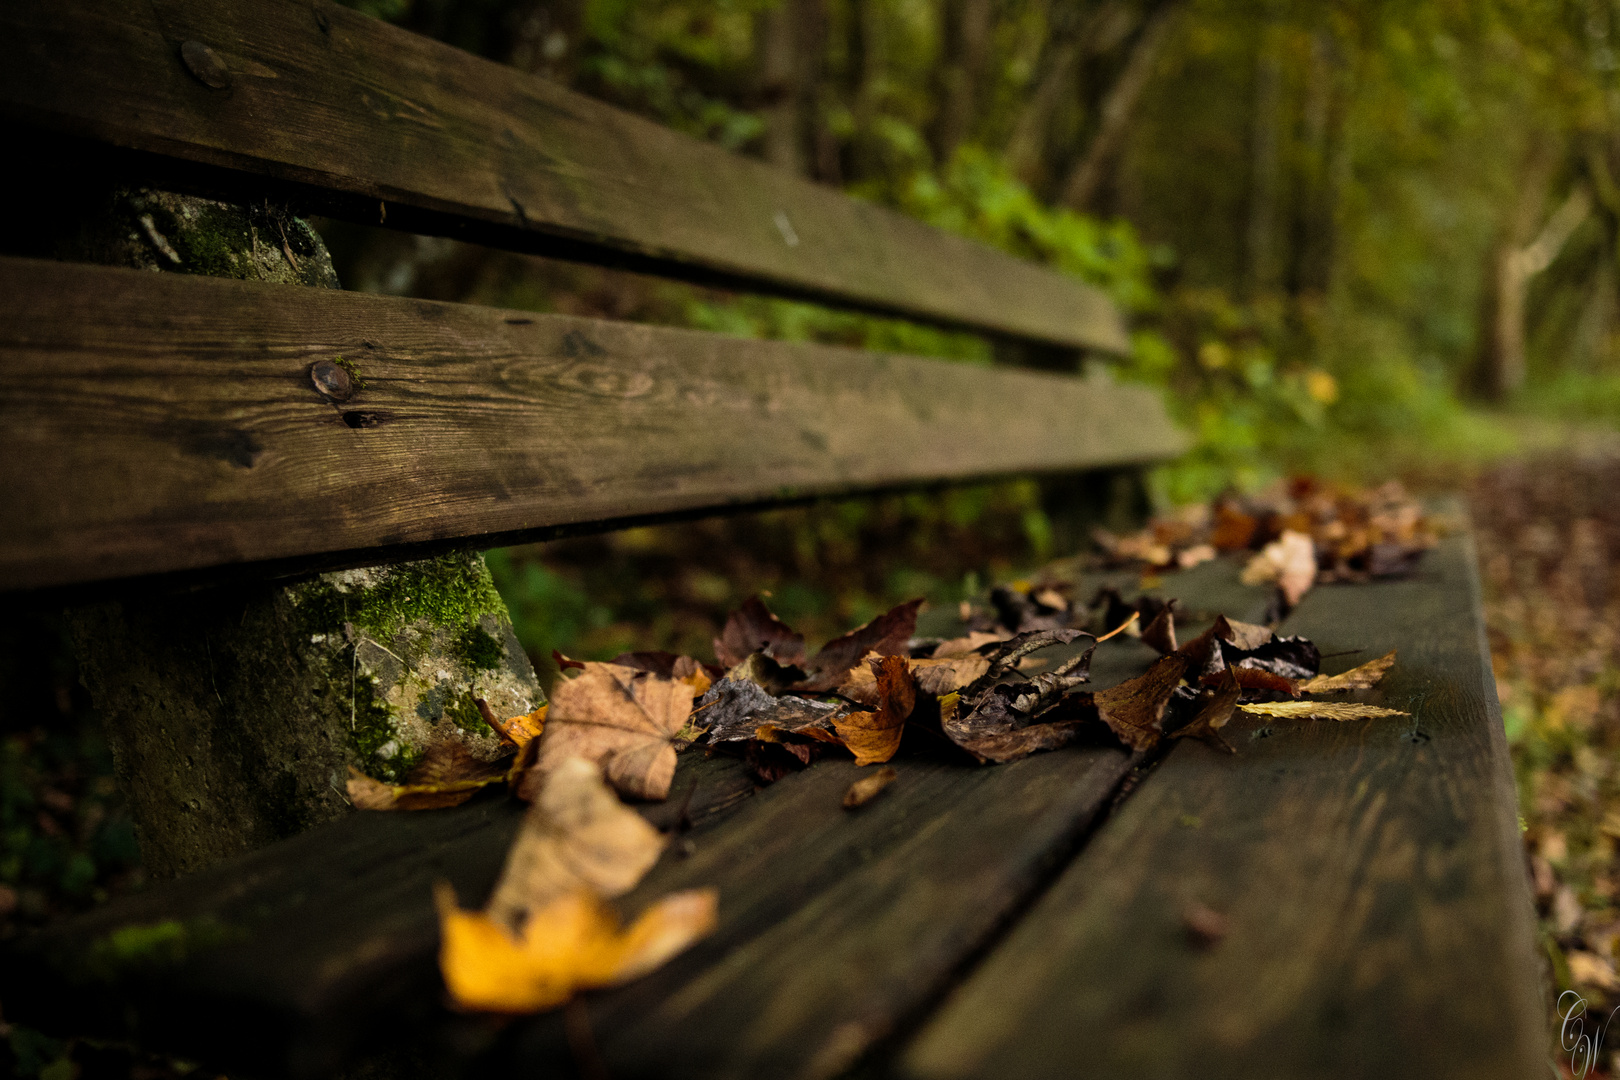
[1356, 240]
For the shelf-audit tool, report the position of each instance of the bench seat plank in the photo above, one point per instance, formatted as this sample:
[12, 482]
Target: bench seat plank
[1371, 874]
[153, 423]
[837, 931]
[329, 99]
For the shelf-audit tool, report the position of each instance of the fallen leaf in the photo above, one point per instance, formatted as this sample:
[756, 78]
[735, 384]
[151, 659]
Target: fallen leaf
[519, 730]
[997, 732]
[934, 676]
[1247, 645]
[735, 709]
[869, 787]
[1193, 556]
[962, 646]
[752, 628]
[1365, 677]
[572, 944]
[1134, 710]
[624, 720]
[1205, 926]
[670, 665]
[1214, 710]
[1289, 562]
[1251, 678]
[1241, 635]
[885, 635]
[1160, 634]
[1320, 710]
[576, 835]
[448, 775]
[873, 737]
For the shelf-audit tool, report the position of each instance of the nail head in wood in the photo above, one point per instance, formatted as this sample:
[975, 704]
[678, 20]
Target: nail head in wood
[333, 383]
[205, 64]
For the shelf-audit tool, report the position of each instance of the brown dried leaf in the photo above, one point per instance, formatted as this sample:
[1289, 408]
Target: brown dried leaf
[625, 720]
[519, 731]
[577, 835]
[962, 646]
[1134, 709]
[1214, 711]
[934, 676]
[670, 665]
[1365, 677]
[885, 635]
[447, 775]
[1289, 561]
[873, 737]
[1160, 634]
[736, 709]
[869, 787]
[752, 628]
[1320, 710]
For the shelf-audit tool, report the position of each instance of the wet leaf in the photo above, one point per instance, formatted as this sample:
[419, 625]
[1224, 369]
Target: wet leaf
[1320, 710]
[1365, 677]
[735, 709]
[873, 737]
[1134, 710]
[752, 628]
[572, 944]
[576, 835]
[869, 787]
[625, 720]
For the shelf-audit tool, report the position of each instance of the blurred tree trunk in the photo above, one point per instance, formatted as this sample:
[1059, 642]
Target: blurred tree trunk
[1514, 264]
[1072, 39]
[1118, 108]
[1311, 253]
[967, 46]
[790, 38]
[1265, 172]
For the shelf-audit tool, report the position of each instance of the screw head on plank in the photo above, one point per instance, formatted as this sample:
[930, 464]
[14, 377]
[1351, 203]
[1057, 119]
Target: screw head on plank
[333, 383]
[205, 64]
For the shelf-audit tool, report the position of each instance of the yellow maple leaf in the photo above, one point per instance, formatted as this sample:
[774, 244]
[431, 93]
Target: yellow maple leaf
[572, 944]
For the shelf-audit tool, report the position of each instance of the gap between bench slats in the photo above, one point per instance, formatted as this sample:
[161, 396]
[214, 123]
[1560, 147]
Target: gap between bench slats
[154, 422]
[324, 97]
[1371, 872]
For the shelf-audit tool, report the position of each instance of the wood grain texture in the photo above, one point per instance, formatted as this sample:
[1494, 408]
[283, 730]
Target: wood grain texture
[153, 422]
[323, 97]
[1370, 872]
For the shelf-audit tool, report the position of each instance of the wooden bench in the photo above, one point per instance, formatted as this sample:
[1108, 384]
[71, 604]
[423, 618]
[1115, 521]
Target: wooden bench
[1016, 921]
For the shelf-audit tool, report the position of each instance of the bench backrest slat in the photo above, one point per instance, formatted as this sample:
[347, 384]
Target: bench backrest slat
[324, 97]
[152, 423]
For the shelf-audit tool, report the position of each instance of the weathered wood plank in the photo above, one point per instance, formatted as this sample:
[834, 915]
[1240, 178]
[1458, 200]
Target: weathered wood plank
[1371, 873]
[323, 97]
[153, 423]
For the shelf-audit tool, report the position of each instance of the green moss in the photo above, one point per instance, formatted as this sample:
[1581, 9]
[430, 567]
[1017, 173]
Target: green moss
[450, 591]
[373, 729]
[479, 649]
[155, 945]
[465, 715]
[354, 372]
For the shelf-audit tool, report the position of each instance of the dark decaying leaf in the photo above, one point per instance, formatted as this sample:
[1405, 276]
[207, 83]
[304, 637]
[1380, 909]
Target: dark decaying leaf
[885, 635]
[995, 732]
[1254, 679]
[752, 628]
[770, 761]
[874, 737]
[1160, 634]
[1020, 612]
[1246, 645]
[1215, 708]
[869, 787]
[934, 676]
[735, 709]
[1134, 710]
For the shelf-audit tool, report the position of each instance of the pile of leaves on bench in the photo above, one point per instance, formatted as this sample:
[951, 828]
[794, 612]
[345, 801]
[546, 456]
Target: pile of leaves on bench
[614, 730]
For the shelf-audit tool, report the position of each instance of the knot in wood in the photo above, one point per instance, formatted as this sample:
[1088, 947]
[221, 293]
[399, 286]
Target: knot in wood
[204, 63]
[331, 380]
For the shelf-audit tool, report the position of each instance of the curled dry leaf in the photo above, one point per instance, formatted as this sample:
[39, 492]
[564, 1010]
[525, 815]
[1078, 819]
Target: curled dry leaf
[1288, 561]
[1160, 634]
[625, 720]
[995, 732]
[447, 775]
[962, 646]
[1365, 677]
[1134, 710]
[869, 787]
[873, 737]
[573, 943]
[519, 730]
[934, 676]
[576, 835]
[1320, 710]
